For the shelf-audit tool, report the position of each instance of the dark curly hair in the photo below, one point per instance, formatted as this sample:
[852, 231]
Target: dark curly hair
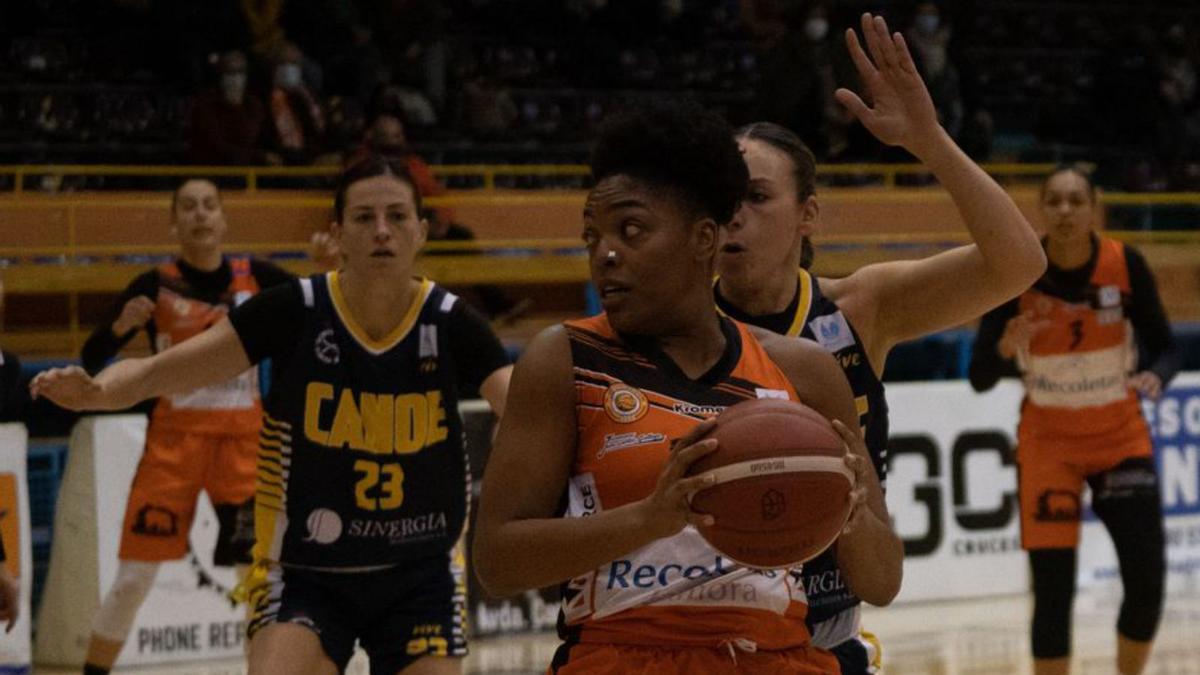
[677, 145]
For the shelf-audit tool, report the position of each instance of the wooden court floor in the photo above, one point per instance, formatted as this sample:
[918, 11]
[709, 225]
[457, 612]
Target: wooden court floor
[978, 637]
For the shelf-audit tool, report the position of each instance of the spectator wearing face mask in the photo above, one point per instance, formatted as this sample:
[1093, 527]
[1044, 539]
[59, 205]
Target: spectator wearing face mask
[225, 123]
[295, 120]
[929, 38]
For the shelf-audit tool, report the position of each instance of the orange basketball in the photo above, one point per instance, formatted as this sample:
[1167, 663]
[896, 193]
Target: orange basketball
[783, 488]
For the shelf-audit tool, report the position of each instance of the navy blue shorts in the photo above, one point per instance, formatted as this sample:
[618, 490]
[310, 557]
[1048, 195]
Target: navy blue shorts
[398, 615]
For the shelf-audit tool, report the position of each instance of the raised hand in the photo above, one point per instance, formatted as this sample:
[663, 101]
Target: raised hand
[134, 315]
[1018, 332]
[902, 112]
[1147, 383]
[71, 388]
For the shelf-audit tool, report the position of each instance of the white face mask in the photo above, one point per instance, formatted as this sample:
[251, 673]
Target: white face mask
[288, 76]
[816, 28]
[233, 85]
[927, 23]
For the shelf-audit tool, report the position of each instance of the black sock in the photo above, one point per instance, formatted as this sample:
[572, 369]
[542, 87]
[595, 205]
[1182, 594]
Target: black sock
[89, 669]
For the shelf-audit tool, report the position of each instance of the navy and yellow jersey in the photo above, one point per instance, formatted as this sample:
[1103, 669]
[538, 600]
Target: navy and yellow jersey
[362, 462]
[814, 316]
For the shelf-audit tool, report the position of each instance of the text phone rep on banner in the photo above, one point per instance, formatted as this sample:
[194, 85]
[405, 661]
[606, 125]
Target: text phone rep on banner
[186, 615]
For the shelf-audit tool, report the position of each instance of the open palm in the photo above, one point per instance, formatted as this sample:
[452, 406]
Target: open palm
[69, 387]
[902, 112]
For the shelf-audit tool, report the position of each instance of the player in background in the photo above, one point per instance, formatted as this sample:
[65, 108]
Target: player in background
[765, 279]
[202, 439]
[1086, 339]
[362, 481]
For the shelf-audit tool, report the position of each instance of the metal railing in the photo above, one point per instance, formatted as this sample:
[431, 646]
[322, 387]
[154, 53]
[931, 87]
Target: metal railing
[486, 173]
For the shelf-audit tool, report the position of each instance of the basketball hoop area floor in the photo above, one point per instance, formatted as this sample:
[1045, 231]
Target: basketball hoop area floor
[964, 637]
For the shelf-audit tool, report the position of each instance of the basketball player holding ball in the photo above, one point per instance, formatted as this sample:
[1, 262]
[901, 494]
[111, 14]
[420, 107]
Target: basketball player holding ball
[1075, 339]
[362, 478]
[609, 411]
[764, 277]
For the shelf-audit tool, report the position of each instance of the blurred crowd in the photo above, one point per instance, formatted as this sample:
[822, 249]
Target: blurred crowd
[297, 82]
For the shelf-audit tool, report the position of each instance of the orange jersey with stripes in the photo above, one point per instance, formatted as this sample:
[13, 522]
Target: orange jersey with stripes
[1076, 368]
[631, 401]
[230, 407]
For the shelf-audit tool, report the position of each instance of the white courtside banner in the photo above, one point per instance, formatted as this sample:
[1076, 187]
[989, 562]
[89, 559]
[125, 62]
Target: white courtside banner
[185, 616]
[14, 527]
[1174, 423]
[951, 489]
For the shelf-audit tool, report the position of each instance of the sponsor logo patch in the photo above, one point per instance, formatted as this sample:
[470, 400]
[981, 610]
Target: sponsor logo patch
[625, 404]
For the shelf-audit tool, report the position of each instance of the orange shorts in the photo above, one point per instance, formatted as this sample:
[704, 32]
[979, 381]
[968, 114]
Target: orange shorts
[610, 659]
[174, 468]
[1050, 477]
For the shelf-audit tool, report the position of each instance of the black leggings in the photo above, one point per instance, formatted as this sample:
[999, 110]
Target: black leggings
[1126, 500]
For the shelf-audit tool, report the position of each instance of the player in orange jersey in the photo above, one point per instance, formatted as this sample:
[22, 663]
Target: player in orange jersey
[1075, 338]
[608, 410]
[204, 439]
[765, 279]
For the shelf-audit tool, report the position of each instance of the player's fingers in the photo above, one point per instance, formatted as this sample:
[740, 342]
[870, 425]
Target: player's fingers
[695, 433]
[853, 103]
[871, 35]
[905, 55]
[693, 452]
[694, 484]
[865, 68]
[700, 519]
[884, 41]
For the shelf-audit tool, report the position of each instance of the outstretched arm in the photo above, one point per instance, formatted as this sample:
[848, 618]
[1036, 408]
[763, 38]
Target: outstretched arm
[914, 298]
[869, 552]
[213, 356]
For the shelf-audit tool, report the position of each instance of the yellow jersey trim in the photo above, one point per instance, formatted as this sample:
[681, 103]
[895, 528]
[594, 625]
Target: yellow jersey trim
[804, 305]
[376, 347]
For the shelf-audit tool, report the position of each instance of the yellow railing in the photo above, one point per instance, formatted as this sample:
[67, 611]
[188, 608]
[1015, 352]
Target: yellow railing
[486, 172]
[73, 269]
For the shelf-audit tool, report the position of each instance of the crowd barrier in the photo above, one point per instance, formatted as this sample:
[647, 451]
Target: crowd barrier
[187, 614]
[15, 529]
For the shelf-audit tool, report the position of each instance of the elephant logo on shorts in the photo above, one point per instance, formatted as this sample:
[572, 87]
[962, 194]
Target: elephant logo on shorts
[155, 521]
[1057, 506]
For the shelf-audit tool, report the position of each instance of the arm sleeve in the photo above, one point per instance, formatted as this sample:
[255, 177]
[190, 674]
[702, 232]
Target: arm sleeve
[987, 366]
[476, 349]
[1157, 350]
[102, 345]
[270, 323]
[268, 274]
[13, 394]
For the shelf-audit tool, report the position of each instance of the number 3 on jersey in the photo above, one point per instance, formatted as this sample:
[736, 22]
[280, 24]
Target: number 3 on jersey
[380, 487]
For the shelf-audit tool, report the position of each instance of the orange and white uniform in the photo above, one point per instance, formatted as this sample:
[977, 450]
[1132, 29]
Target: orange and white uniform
[1079, 417]
[203, 439]
[675, 605]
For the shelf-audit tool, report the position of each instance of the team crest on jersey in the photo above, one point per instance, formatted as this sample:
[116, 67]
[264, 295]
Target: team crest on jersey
[832, 332]
[625, 404]
[326, 348]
